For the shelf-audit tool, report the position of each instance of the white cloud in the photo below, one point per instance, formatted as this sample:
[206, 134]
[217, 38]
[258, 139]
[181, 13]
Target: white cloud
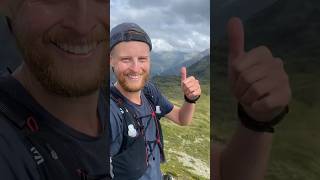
[172, 25]
[161, 45]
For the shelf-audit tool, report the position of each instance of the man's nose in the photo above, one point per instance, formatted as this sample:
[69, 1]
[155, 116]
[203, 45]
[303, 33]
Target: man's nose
[79, 18]
[135, 65]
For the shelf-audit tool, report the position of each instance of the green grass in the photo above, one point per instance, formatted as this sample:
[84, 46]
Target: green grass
[296, 148]
[295, 153]
[188, 141]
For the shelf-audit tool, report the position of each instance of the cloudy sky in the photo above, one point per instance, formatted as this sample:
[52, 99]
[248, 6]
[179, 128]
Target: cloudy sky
[182, 25]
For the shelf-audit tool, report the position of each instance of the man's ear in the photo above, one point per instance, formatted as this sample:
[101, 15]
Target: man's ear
[111, 62]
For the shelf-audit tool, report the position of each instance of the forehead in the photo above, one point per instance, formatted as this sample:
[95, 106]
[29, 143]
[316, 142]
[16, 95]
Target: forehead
[132, 48]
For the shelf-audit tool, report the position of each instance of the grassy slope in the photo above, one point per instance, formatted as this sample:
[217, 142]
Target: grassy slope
[193, 140]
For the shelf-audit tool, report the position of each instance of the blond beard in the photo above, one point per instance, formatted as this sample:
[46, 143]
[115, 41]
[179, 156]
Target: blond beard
[129, 88]
[68, 83]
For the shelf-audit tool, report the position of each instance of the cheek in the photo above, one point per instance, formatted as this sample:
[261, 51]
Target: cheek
[146, 67]
[121, 68]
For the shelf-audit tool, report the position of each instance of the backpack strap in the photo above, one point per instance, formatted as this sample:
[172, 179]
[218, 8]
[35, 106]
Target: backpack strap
[130, 117]
[52, 163]
[21, 124]
[129, 113]
[152, 100]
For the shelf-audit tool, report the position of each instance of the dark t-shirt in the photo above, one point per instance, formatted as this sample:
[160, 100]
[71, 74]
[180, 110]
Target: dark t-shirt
[143, 110]
[16, 162]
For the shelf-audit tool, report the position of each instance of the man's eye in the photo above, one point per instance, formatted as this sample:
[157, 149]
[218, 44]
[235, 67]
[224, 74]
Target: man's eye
[142, 59]
[125, 59]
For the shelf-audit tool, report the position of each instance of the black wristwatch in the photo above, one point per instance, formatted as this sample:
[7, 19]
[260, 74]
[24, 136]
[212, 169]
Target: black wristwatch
[259, 126]
[193, 101]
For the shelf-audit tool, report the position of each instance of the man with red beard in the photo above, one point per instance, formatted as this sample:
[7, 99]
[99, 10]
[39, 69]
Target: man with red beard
[136, 106]
[53, 119]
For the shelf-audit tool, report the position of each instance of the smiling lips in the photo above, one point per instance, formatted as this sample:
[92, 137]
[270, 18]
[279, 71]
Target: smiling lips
[77, 48]
[134, 77]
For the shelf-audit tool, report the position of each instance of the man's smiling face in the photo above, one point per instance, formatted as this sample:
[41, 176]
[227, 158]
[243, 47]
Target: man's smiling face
[131, 64]
[64, 42]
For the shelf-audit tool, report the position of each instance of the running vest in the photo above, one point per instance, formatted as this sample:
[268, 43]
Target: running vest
[54, 161]
[131, 161]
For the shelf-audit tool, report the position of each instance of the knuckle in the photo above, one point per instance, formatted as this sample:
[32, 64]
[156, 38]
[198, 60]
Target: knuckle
[264, 49]
[256, 91]
[236, 67]
[244, 77]
[268, 105]
[279, 62]
[285, 77]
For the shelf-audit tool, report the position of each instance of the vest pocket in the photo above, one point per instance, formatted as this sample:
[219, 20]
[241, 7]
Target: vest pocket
[131, 163]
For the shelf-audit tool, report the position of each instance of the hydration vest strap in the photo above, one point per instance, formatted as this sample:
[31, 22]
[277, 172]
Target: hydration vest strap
[49, 164]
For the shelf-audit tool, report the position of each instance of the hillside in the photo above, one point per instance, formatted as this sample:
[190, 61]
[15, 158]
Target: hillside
[175, 68]
[290, 28]
[200, 70]
[161, 61]
[187, 148]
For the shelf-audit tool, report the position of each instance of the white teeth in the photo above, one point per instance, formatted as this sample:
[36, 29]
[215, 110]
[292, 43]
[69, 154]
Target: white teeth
[77, 49]
[134, 77]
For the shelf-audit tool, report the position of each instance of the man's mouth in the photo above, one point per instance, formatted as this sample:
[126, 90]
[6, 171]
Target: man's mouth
[77, 49]
[134, 77]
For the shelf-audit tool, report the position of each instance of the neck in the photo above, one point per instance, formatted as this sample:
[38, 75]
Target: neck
[132, 96]
[79, 113]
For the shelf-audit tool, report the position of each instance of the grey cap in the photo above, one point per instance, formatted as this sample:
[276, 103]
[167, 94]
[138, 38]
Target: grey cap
[128, 32]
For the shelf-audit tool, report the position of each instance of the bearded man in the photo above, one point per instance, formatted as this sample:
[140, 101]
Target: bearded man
[136, 106]
[53, 119]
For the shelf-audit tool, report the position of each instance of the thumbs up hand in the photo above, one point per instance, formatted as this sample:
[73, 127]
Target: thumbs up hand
[190, 85]
[258, 80]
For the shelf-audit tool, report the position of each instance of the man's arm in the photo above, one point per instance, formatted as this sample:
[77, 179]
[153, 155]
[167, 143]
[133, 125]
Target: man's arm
[191, 89]
[182, 116]
[244, 158]
[261, 86]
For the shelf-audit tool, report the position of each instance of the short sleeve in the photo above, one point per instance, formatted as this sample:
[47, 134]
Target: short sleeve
[164, 105]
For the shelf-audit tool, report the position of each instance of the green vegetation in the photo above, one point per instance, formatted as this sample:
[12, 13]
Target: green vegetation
[187, 148]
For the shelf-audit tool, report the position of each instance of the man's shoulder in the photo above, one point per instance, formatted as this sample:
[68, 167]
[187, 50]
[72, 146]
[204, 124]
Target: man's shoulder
[116, 114]
[151, 89]
[150, 86]
[8, 131]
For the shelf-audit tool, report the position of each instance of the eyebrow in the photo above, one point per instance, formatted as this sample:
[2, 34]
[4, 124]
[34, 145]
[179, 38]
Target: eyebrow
[124, 56]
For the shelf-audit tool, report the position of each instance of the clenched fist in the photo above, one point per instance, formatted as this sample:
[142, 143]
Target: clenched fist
[190, 85]
[258, 80]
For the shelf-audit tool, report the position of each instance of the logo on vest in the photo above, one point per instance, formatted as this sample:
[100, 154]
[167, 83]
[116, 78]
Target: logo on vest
[132, 132]
[158, 110]
[36, 155]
